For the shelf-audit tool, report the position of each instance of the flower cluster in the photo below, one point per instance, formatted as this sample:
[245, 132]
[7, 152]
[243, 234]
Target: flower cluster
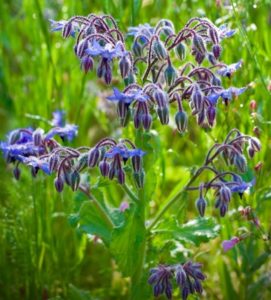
[41, 151]
[98, 39]
[225, 183]
[188, 277]
[158, 49]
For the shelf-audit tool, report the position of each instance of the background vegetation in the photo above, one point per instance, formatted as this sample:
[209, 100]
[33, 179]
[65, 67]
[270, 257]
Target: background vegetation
[41, 255]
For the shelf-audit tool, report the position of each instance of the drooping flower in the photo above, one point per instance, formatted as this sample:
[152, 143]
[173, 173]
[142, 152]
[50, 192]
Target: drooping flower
[69, 131]
[227, 71]
[59, 26]
[59, 118]
[225, 32]
[108, 51]
[229, 244]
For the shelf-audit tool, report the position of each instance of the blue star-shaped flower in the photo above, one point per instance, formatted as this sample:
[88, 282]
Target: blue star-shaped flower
[227, 71]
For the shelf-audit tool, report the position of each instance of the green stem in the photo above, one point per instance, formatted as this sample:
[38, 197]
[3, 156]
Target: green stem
[136, 287]
[129, 192]
[103, 212]
[174, 198]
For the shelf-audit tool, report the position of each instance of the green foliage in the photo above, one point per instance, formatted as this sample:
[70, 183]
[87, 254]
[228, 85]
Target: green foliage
[195, 232]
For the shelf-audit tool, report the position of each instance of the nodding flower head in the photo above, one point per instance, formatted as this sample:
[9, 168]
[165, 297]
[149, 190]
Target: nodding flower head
[225, 182]
[156, 47]
[188, 277]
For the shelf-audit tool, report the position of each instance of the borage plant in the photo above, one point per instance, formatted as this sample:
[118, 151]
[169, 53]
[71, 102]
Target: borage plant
[138, 237]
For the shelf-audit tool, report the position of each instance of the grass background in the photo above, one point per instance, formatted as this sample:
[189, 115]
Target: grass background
[41, 255]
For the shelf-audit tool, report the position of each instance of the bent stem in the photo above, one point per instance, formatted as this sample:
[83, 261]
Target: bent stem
[102, 211]
[176, 197]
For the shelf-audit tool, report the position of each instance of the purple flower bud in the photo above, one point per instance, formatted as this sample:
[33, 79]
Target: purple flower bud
[13, 137]
[93, 157]
[180, 276]
[137, 163]
[225, 194]
[82, 162]
[181, 120]
[201, 205]
[163, 114]
[240, 162]
[180, 51]
[122, 109]
[146, 121]
[139, 179]
[229, 244]
[255, 144]
[250, 152]
[198, 286]
[185, 292]
[216, 81]
[67, 29]
[170, 75]
[87, 63]
[199, 44]
[37, 136]
[112, 171]
[124, 206]
[75, 180]
[59, 184]
[161, 98]
[137, 120]
[217, 51]
[104, 168]
[197, 99]
[53, 162]
[211, 114]
[16, 173]
[159, 50]
[201, 117]
[199, 57]
[108, 74]
[81, 48]
[121, 176]
[125, 66]
[213, 35]
[223, 209]
[211, 58]
[137, 49]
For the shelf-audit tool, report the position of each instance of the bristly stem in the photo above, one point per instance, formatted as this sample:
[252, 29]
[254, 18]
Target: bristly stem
[129, 192]
[98, 206]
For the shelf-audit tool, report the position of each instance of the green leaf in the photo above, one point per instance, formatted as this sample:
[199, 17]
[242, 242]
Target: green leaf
[91, 221]
[136, 5]
[195, 232]
[259, 261]
[127, 240]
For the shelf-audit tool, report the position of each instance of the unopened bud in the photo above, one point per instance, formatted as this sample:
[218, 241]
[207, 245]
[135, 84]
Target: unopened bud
[159, 50]
[93, 157]
[181, 120]
[59, 184]
[125, 66]
[180, 51]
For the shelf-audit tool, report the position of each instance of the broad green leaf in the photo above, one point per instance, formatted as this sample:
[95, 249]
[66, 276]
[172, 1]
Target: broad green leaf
[127, 240]
[91, 221]
[195, 232]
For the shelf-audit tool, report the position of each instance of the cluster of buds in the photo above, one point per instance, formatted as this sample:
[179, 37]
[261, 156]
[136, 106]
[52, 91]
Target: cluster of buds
[157, 48]
[97, 38]
[188, 277]
[225, 183]
[41, 151]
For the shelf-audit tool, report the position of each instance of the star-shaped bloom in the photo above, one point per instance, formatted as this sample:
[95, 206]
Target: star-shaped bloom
[58, 118]
[69, 131]
[225, 32]
[123, 152]
[232, 92]
[108, 51]
[241, 186]
[36, 163]
[121, 97]
[58, 26]
[15, 150]
[230, 69]
[144, 30]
